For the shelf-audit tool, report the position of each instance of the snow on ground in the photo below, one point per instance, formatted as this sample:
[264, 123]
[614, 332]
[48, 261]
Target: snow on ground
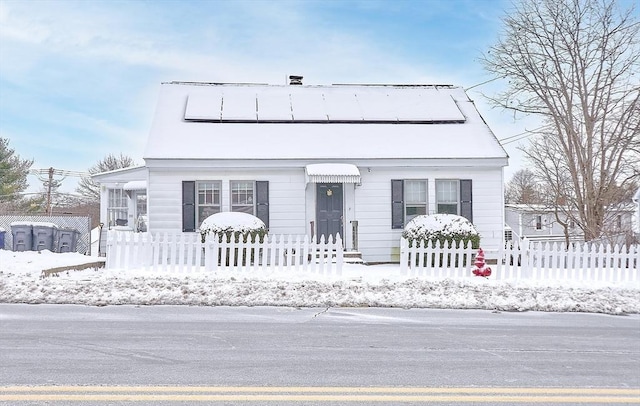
[21, 281]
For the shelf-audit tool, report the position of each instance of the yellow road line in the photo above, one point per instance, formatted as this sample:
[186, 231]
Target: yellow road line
[317, 394]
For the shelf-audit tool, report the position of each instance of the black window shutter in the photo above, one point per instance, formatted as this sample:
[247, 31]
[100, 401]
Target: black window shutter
[397, 204]
[188, 206]
[466, 199]
[262, 201]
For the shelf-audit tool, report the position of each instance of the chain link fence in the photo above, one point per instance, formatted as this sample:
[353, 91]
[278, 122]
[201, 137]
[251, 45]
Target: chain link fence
[80, 223]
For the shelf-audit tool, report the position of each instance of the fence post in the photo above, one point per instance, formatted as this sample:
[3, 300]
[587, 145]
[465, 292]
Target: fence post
[403, 256]
[339, 255]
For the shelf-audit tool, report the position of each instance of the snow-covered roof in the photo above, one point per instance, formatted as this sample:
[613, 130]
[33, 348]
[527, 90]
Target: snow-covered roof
[240, 121]
[124, 175]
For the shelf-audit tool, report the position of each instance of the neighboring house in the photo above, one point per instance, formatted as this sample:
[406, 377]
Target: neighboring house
[636, 216]
[539, 223]
[358, 160]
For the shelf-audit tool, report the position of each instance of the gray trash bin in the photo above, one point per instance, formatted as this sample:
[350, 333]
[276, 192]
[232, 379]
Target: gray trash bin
[43, 234]
[67, 239]
[2, 233]
[21, 232]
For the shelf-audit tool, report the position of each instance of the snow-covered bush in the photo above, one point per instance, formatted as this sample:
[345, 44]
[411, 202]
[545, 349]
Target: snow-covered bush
[441, 229]
[236, 225]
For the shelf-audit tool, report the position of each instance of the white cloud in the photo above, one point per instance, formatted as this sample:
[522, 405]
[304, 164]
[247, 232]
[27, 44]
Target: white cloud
[93, 68]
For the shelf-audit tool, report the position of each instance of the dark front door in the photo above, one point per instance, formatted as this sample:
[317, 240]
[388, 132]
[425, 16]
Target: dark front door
[329, 204]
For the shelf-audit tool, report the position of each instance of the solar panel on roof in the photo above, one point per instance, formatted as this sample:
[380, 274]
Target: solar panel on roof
[274, 106]
[308, 106]
[322, 104]
[342, 106]
[239, 105]
[203, 106]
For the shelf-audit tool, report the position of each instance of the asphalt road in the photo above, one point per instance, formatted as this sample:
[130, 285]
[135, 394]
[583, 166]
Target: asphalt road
[67, 354]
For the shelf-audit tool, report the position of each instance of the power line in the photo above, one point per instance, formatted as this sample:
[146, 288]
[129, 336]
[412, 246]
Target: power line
[58, 172]
[485, 82]
[46, 176]
[520, 136]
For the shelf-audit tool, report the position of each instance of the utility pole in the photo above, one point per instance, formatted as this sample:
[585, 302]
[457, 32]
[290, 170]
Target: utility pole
[49, 185]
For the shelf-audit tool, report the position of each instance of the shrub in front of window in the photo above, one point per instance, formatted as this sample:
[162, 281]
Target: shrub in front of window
[234, 227]
[441, 230]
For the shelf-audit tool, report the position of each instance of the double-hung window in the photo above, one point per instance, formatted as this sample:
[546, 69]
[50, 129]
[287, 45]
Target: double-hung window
[243, 196]
[415, 199]
[208, 200]
[447, 196]
[454, 196]
[408, 200]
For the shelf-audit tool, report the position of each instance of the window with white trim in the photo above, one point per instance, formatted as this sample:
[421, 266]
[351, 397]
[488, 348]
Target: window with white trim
[447, 201]
[117, 208]
[415, 199]
[208, 199]
[243, 196]
[538, 222]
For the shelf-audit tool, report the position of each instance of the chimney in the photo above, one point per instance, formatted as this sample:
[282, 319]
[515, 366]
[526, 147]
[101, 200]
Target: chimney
[295, 80]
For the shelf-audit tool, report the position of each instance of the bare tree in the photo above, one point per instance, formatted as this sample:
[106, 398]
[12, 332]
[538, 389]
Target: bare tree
[523, 188]
[88, 189]
[575, 63]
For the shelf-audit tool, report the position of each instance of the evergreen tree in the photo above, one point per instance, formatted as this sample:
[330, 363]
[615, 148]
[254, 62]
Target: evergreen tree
[13, 176]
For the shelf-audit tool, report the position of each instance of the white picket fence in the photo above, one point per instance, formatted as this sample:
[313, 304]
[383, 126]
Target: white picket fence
[181, 252]
[423, 259]
[527, 260]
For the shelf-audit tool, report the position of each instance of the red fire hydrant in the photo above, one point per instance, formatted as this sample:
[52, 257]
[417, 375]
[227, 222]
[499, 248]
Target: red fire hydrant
[481, 269]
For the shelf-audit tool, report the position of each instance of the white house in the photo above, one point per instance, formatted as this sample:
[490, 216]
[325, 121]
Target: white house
[538, 223]
[358, 160]
[636, 216]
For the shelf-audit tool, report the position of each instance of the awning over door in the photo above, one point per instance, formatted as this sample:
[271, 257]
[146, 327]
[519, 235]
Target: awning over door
[135, 185]
[332, 173]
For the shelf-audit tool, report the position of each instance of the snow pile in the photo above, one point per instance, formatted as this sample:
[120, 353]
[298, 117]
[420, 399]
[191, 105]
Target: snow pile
[21, 281]
[443, 223]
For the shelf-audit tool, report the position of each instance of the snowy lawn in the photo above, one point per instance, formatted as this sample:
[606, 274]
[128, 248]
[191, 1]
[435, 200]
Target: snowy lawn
[21, 281]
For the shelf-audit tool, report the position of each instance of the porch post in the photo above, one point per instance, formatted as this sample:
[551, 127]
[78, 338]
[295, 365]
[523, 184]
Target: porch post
[354, 235]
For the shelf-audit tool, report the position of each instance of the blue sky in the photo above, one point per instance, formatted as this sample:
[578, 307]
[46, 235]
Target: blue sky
[79, 79]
